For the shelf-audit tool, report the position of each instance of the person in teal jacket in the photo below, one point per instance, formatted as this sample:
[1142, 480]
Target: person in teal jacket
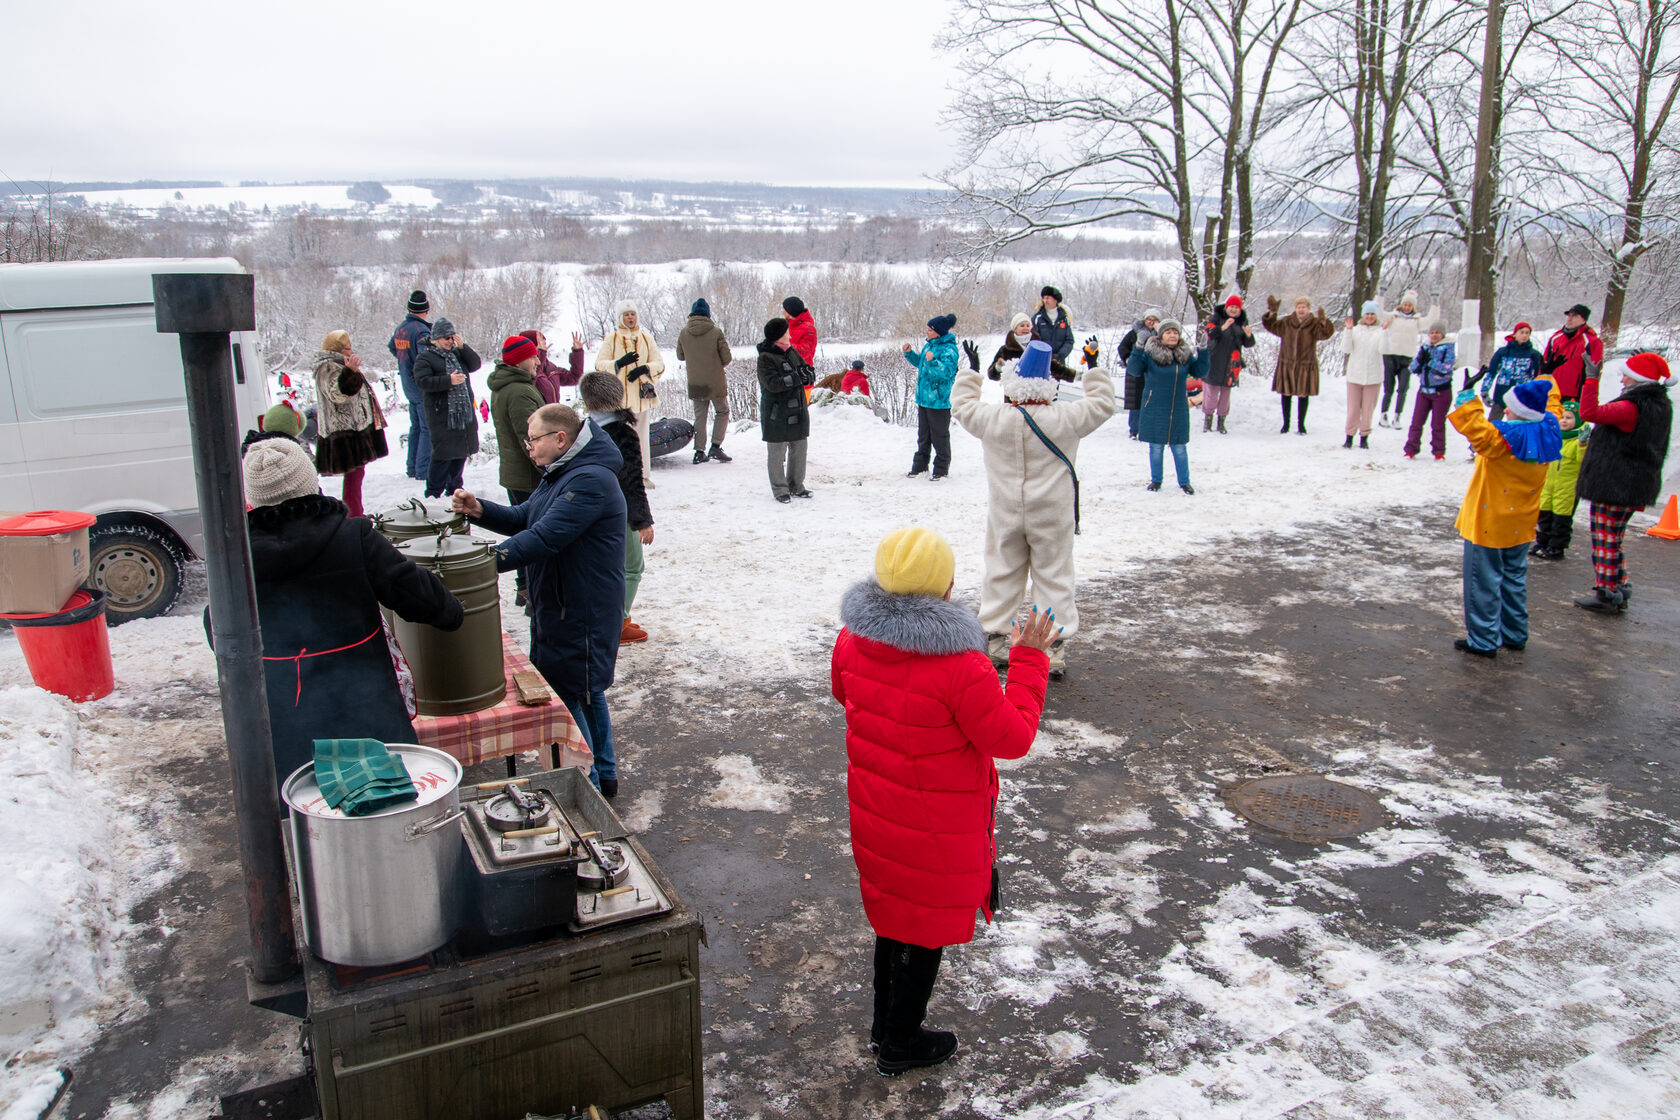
[1557, 497]
[1165, 363]
[936, 370]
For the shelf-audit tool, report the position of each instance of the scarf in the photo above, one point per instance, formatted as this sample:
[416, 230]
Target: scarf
[460, 396]
[1533, 441]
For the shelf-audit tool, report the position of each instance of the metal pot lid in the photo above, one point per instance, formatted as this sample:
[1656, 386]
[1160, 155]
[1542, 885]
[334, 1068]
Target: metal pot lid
[514, 809]
[434, 774]
[444, 547]
[419, 514]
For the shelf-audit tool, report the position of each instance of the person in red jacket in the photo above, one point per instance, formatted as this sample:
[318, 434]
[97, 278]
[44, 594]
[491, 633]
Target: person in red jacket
[801, 329]
[924, 720]
[1565, 351]
[855, 380]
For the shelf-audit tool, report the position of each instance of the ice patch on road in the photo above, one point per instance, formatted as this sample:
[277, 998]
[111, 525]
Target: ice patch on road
[744, 788]
[644, 812]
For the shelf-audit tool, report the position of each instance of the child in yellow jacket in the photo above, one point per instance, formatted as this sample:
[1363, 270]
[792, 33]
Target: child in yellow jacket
[1500, 508]
[1557, 497]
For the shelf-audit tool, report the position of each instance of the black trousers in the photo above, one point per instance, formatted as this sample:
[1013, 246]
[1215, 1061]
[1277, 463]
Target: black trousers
[517, 498]
[1397, 378]
[1300, 412]
[933, 437]
[444, 477]
[904, 976]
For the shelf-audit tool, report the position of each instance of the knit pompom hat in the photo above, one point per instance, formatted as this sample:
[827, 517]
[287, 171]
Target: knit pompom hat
[418, 304]
[775, 329]
[1410, 296]
[282, 418]
[1528, 400]
[914, 561]
[701, 308]
[277, 470]
[516, 348]
[942, 324]
[1649, 367]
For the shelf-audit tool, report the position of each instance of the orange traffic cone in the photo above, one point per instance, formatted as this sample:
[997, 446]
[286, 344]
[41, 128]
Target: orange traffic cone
[1668, 525]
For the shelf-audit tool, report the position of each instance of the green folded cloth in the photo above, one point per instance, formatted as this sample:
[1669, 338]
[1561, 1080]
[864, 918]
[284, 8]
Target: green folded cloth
[359, 776]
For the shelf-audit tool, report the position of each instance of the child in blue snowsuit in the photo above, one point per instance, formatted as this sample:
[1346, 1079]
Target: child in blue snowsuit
[1515, 363]
[1433, 367]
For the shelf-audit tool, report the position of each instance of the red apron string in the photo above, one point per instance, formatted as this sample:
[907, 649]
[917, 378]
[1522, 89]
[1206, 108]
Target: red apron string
[297, 660]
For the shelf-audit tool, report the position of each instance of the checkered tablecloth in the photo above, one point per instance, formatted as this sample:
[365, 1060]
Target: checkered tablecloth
[508, 728]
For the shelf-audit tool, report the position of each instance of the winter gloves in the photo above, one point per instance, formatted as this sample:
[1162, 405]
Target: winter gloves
[629, 359]
[1465, 396]
[1090, 352]
[973, 353]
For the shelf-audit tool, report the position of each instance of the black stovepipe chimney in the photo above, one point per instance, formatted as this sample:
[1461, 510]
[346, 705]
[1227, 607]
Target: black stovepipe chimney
[203, 309]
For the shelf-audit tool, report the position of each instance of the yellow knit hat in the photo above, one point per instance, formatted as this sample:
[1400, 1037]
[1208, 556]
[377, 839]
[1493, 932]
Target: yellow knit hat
[914, 561]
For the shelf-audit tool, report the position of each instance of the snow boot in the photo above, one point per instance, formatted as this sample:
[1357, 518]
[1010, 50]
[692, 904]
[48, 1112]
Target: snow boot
[1188, 489]
[716, 454]
[1364, 443]
[1602, 600]
[883, 992]
[609, 788]
[905, 1044]
[997, 648]
[1347, 444]
[1058, 660]
[1383, 423]
[1153, 486]
[1207, 422]
[1463, 646]
[630, 632]
[1222, 430]
[699, 456]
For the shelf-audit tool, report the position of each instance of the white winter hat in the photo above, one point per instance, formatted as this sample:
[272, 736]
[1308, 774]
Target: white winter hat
[1409, 296]
[619, 310]
[1015, 323]
[277, 470]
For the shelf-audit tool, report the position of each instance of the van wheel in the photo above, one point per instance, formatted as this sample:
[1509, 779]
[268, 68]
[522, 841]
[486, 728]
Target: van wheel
[139, 569]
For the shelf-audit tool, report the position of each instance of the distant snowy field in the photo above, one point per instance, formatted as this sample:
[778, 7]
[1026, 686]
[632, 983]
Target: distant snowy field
[723, 550]
[326, 196]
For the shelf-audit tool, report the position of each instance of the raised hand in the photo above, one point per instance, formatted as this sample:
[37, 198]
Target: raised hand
[973, 353]
[1036, 631]
[1090, 352]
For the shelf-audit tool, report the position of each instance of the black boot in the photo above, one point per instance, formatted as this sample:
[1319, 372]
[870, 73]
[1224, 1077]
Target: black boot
[884, 947]
[1347, 443]
[699, 455]
[717, 454]
[1283, 431]
[905, 1045]
[1364, 443]
[1542, 534]
[1301, 416]
[1563, 531]
[1207, 422]
[1222, 430]
[1602, 600]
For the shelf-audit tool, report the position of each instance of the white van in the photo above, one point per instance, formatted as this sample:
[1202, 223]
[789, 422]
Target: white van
[93, 417]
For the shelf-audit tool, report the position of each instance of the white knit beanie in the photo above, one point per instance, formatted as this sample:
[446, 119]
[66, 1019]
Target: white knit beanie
[278, 469]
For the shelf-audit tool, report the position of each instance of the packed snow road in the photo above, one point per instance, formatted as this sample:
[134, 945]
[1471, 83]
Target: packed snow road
[1503, 945]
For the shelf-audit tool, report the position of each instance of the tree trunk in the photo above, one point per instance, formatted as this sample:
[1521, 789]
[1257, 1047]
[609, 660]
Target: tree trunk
[1478, 265]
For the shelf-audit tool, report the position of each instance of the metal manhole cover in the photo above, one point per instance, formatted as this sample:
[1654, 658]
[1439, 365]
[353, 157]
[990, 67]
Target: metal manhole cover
[1307, 807]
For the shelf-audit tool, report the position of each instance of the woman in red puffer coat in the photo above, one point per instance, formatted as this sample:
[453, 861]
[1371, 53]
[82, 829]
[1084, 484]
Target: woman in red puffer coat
[924, 719]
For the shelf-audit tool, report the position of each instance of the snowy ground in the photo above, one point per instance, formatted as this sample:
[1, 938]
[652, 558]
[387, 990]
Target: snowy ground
[741, 598]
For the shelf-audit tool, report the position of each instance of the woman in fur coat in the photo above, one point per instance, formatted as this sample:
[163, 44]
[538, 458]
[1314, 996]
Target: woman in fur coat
[924, 720]
[1015, 345]
[1032, 496]
[1297, 361]
[629, 353]
[351, 422]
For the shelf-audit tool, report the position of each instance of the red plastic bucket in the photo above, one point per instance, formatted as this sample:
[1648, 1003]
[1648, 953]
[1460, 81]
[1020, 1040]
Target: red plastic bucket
[68, 651]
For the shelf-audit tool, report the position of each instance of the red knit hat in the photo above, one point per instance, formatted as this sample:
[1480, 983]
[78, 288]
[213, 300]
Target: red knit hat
[1512, 337]
[1234, 301]
[1649, 367]
[516, 348]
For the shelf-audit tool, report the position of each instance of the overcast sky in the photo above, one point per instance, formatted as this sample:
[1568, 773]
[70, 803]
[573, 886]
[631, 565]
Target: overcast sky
[846, 92]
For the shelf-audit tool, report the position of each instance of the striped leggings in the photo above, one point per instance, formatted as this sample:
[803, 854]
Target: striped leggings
[1609, 525]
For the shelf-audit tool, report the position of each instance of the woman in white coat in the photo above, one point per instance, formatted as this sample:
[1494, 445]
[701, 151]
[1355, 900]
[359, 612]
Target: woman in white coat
[1031, 493]
[1362, 342]
[630, 354]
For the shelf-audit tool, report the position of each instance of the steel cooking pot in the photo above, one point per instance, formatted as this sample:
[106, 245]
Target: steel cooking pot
[418, 517]
[456, 671]
[385, 887]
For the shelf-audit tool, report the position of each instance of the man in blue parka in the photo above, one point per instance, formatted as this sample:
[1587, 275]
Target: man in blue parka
[936, 371]
[404, 346]
[569, 537]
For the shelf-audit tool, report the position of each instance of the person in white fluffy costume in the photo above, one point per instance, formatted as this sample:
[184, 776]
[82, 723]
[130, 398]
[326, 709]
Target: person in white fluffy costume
[1031, 494]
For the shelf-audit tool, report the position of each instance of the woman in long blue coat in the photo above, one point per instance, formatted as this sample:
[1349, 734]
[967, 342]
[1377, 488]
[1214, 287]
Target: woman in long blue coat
[1165, 363]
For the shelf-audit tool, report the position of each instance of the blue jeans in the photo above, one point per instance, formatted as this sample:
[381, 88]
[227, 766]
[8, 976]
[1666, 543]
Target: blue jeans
[596, 724]
[1181, 461]
[419, 436]
[1133, 415]
[1496, 595]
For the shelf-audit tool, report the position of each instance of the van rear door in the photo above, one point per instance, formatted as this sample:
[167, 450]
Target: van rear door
[15, 491]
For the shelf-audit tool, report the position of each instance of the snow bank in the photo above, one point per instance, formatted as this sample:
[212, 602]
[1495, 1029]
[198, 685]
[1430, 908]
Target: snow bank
[744, 788]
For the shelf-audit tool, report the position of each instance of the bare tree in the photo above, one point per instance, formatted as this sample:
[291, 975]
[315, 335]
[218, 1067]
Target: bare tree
[1082, 111]
[1621, 152]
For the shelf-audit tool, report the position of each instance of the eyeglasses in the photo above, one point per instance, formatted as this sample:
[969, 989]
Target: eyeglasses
[529, 440]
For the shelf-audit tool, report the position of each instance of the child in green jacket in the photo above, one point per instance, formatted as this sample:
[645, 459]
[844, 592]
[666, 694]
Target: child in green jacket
[1557, 497]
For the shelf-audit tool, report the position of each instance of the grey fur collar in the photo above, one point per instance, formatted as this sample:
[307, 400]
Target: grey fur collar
[1178, 355]
[915, 623]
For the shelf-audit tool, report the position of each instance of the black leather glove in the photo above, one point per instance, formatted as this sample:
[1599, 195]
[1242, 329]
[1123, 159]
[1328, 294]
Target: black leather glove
[1090, 351]
[973, 353]
[628, 359]
[638, 372]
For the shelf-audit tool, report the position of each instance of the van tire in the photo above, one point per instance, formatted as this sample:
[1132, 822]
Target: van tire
[139, 569]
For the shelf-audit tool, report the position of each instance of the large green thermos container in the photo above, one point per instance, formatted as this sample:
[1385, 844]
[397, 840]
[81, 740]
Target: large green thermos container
[459, 672]
[418, 517]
